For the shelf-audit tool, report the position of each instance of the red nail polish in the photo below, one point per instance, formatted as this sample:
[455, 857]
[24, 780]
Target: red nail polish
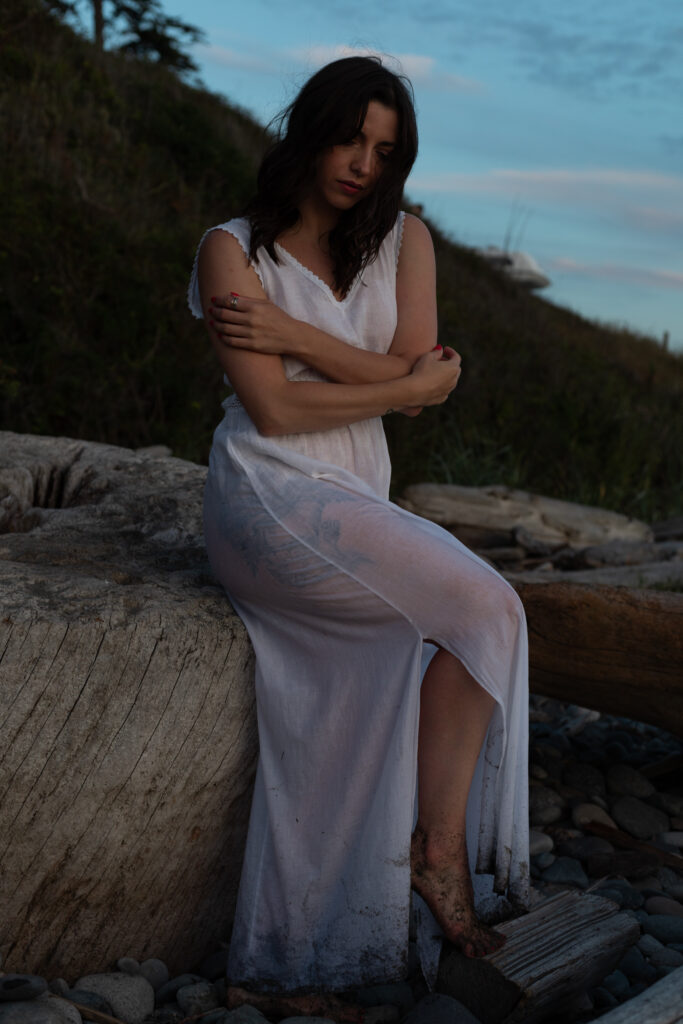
[236, 294]
[211, 323]
[436, 346]
[214, 299]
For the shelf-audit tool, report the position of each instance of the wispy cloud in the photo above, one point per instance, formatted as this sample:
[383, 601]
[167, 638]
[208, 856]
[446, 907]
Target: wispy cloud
[620, 272]
[646, 199]
[242, 61]
[420, 69]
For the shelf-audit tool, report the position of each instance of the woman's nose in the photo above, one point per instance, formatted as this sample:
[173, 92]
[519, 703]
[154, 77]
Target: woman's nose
[362, 160]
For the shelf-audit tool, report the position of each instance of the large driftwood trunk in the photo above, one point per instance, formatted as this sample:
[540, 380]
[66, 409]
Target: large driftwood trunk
[609, 648]
[484, 516]
[126, 702]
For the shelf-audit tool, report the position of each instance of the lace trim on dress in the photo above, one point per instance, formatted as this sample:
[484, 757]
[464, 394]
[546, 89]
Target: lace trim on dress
[193, 297]
[400, 221]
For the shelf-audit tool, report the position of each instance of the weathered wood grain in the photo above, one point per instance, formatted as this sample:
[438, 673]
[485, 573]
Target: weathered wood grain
[662, 1003]
[126, 713]
[609, 648]
[563, 947]
[495, 511]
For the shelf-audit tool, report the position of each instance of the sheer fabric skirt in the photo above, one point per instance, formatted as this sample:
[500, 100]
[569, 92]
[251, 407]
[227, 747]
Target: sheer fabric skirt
[338, 589]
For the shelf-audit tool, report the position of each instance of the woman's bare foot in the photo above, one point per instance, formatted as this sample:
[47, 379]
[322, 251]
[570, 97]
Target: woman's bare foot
[315, 1004]
[440, 874]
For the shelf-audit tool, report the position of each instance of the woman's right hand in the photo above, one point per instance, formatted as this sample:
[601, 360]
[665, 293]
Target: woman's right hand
[435, 375]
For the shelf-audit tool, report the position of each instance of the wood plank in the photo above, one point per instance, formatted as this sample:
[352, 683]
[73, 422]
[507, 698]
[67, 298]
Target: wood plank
[565, 946]
[662, 1003]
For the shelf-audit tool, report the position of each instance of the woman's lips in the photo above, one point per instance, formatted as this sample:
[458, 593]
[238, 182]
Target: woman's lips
[350, 188]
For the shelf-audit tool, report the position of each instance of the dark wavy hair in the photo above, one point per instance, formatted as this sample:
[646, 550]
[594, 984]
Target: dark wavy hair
[329, 110]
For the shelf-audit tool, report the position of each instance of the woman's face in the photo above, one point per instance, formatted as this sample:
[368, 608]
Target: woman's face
[349, 171]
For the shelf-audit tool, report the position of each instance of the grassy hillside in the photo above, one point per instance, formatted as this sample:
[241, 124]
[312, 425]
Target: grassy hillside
[111, 170]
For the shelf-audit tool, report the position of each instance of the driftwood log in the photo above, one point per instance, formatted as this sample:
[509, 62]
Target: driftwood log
[608, 648]
[553, 955]
[126, 702]
[489, 516]
[662, 1003]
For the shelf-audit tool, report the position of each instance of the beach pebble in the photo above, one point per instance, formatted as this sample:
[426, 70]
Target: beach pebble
[246, 1015]
[566, 871]
[539, 842]
[670, 803]
[617, 983]
[128, 964]
[588, 780]
[544, 860]
[665, 927]
[197, 998]
[583, 847]
[624, 780]
[635, 966]
[156, 972]
[663, 905]
[91, 999]
[167, 992]
[671, 838]
[17, 987]
[603, 999]
[583, 814]
[440, 1009]
[545, 806]
[131, 997]
[639, 819]
[44, 1009]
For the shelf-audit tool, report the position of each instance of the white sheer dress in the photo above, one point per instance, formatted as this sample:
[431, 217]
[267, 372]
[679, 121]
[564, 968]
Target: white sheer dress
[338, 588]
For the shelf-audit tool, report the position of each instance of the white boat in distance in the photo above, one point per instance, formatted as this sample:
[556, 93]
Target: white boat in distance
[519, 266]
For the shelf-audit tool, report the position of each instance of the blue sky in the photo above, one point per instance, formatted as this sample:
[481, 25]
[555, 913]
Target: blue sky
[558, 125]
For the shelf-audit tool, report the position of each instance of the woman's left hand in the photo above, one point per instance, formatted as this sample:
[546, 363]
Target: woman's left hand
[256, 325]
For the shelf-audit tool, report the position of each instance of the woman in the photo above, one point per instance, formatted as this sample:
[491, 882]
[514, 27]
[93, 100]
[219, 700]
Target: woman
[321, 308]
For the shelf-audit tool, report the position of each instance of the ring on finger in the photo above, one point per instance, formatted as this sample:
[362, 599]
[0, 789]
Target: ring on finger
[233, 302]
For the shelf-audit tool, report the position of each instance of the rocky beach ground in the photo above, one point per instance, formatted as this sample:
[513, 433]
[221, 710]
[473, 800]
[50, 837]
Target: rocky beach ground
[586, 770]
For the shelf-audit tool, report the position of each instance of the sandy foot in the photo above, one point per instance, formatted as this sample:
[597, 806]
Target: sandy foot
[440, 874]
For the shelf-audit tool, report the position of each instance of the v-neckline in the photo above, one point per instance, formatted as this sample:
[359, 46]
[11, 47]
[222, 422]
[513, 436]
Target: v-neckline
[307, 272]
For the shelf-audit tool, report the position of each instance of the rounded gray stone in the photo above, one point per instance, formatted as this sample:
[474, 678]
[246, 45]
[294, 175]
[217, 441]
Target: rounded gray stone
[544, 860]
[663, 905]
[245, 1015]
[624, 780]
[91, 999]
[45, 1009]
[539, 842]
[639, 819]
[545, 806]
[167, 992]
[130, 997]
[583, 847]
[665, 927]
[582, 814]
[566, 871]
[440, 1009]
[15, 988]
[635, 966]
[588, 780]
[155, 971]
[128, 964]
[197, 998]
[617, 983]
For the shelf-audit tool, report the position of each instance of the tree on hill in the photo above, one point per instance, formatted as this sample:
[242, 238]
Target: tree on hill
[138, 27]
